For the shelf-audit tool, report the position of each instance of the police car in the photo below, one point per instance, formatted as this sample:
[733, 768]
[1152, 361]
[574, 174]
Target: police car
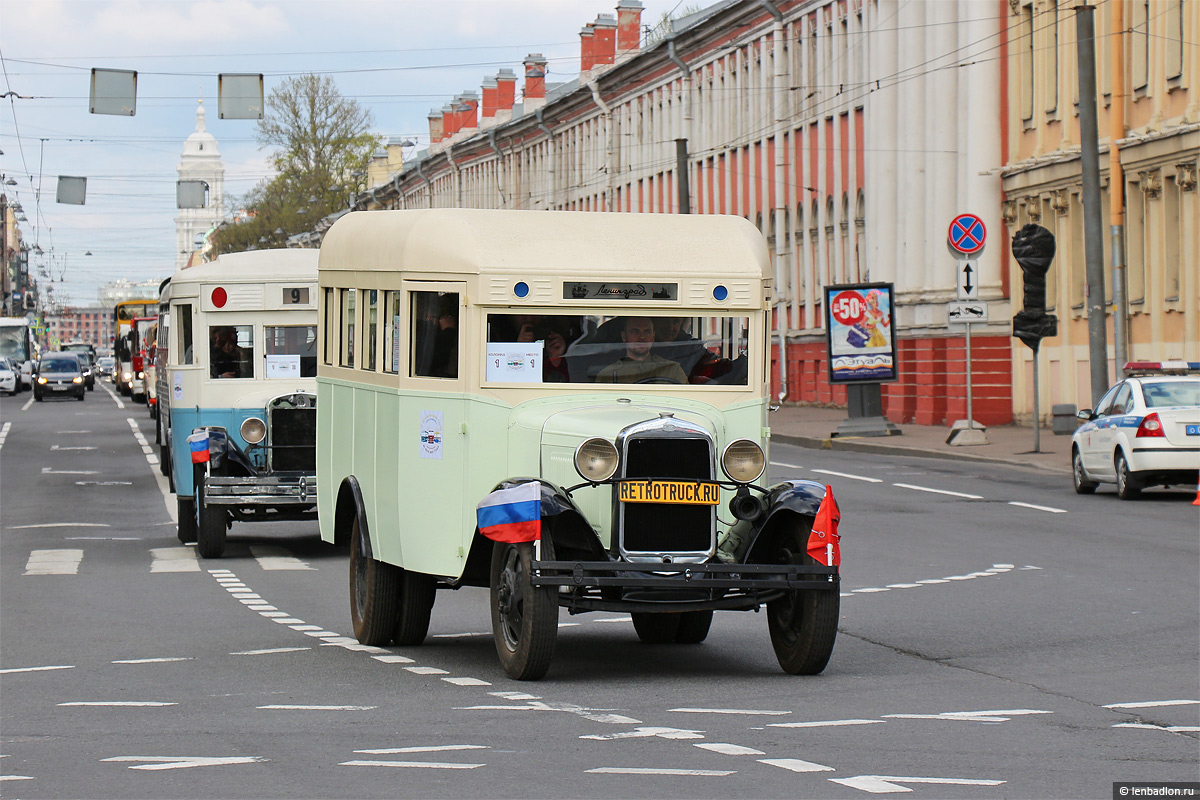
[1144, 432]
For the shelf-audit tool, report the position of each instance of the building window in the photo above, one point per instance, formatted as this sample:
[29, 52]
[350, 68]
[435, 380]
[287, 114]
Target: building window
[1173, 35]
[1026, 75]
[1139, 62]
[1050, 73]
[1173, 234]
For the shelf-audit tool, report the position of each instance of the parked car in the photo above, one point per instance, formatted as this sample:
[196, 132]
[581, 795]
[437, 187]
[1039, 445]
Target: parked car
[1144, 432]
[8, 376]
[59, 374]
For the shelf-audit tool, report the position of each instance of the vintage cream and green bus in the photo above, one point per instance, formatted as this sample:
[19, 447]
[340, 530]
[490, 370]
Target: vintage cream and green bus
[238, 409]
[568, 408]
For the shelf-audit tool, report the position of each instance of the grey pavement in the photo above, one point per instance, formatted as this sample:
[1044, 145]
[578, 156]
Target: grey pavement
[814, 426]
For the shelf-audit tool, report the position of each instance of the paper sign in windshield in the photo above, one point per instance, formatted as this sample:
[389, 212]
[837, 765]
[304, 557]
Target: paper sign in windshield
[514, 362]
[283, 366]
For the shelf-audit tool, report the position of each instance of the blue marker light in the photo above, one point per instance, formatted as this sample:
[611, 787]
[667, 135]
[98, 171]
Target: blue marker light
[521, 289]
[720, 292]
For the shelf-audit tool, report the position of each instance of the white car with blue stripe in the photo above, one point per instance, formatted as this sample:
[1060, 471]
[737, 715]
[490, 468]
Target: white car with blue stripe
[1144, 432]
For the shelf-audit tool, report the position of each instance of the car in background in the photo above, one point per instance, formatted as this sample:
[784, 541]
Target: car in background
[1144, 432]
[8, 376]
[106, 366]
[88, 363]
[59, 375]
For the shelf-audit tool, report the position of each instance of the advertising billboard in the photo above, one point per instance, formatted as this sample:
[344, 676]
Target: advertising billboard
[860, 331]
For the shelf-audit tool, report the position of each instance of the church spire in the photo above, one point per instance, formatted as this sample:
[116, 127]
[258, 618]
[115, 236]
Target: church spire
[200, 117]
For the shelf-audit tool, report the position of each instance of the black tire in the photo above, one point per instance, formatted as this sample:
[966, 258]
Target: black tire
[1079, 475]
[655, 628]
[416, 596]
[374, 592]
[693, 627]
[524, 618]
[211, 525]
[803, 623]
[1128, 487]
[80, 397]
[37, 397]
[186, 512]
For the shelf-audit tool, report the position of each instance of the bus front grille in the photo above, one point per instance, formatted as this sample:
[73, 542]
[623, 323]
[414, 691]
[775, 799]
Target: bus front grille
[667, 528]
[293, 426]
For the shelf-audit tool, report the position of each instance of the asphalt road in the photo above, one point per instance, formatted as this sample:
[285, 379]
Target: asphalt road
[1001, 637]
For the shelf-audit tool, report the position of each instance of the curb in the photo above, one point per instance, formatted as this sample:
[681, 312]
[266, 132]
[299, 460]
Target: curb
[862, 445]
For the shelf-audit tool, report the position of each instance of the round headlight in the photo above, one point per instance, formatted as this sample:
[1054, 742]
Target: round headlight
[743, 461]
[596, 459]
[254, 430]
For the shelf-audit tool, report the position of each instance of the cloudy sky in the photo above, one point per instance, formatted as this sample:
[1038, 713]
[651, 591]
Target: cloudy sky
[398, 58]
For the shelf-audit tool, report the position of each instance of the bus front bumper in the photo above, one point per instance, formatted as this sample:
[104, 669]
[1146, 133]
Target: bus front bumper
[272, 490]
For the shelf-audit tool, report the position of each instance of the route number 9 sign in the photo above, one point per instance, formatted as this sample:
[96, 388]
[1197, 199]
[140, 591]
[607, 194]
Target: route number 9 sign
[860, 333]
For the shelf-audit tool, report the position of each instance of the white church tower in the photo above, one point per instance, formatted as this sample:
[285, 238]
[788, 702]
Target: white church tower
[201, 161]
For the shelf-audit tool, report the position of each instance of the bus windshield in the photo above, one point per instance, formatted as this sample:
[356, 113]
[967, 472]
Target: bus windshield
[14, 342]
[585, 348]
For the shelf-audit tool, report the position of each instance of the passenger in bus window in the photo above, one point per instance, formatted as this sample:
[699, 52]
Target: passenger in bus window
[224, 354]
[445, 342]
[639, 365]
[556, 333]
[674, 341]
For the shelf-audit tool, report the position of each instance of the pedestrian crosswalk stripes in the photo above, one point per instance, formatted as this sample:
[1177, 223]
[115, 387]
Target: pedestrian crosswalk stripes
[182, 558]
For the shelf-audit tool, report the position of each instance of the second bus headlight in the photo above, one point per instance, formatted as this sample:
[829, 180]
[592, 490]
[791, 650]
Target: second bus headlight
[254, 430]
[596, 459]
[743, 461]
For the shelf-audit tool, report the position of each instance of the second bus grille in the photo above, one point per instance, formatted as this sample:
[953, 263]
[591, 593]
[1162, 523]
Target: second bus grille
[655, 527]
[293, 439]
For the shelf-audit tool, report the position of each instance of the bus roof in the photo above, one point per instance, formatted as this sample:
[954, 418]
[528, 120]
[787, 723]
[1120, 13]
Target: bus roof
[565, 243]
[255, 266]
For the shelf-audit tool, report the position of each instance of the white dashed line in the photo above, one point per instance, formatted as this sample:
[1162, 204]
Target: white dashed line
[1051, 509]
[119, 703]
[833, 723]
[938, 491]
[391, 751]
[11, 670]
[270, 650]
[54, 562]
[409, 764]
[703, 773]
[315, 708]
[848, 476]
[740, 711]
[729, 749]
[152, 660]
[795, 765]
[1155, 704]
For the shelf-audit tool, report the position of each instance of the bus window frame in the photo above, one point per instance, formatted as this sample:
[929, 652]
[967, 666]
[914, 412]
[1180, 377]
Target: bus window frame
[409, 290]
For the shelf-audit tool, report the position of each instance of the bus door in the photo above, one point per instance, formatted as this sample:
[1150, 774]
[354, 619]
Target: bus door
[423, 347]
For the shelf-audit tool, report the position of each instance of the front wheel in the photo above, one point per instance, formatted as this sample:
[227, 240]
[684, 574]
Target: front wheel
[803, 623]
[693, 627]
[373, 591]
[1079, 475]
[524, 617]
[654, 628]
[211, 524]
[1128, 487]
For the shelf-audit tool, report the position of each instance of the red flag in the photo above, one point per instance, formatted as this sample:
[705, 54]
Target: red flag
[824, 540]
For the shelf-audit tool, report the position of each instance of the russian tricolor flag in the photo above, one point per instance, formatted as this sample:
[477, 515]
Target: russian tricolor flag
[512, 515]
[198, 444]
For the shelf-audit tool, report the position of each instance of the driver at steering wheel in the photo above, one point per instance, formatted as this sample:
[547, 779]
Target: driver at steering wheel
[639, 365]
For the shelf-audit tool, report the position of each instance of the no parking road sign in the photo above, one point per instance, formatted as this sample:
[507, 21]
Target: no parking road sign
[968, 234]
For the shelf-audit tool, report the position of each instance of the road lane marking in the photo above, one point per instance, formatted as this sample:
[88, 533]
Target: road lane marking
[881, 784]
[745, 711]
[994, 715]
[1167, 728]
[315, 708]
[80, 447]
[466, 681]
[427, 671]
[786, 465]
[729, 749]
[48, 471]
[409, 764]
[153, 660]
[392, 659]
[796, 765]
[119, 703]
[391, 751]
[16, 777]
[833, 723]
[4, 432]
[938, 491]
[270, 557]
[703, 773]
[848, 476]
[28, 403]
[1051, 509]
[645, 732]
[183, 762]
[36, 669]
[113, 395]
[59, 525]
[1154, 704]
[174, 559]
[270, 650]
[54, 562]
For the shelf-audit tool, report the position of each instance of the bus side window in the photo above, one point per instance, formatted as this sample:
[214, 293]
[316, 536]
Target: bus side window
[328, 329]
[391, 331]
[370, 326]
[347, 338]
[185, 333]
[435, 334]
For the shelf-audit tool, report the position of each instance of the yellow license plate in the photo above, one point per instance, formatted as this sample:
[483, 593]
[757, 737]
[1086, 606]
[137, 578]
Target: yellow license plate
[676, 492]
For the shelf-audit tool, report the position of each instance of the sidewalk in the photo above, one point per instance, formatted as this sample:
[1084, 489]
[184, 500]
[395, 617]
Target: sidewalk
[813, 427]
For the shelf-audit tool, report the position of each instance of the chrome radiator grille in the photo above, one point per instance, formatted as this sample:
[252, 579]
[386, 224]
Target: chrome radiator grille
[292, 421]
[660, 527]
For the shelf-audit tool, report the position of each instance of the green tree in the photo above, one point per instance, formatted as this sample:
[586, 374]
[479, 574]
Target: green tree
[322, 146]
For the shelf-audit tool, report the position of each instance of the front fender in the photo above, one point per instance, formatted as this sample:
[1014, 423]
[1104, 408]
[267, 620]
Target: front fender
[223, 452]
[790, 498]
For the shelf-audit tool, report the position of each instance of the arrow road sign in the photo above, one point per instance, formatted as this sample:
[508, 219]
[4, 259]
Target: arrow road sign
[966, 312]
[968, 280]
[968, 234]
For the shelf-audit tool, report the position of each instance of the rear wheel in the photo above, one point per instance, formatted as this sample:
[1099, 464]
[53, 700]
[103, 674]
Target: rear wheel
[416, 595]
[803, 623]
[524, 618]
[1079, 475]
[1128, 487]
[374, 588]
[655, 628]
[211, 524]
[693, 627]
[185, 508]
